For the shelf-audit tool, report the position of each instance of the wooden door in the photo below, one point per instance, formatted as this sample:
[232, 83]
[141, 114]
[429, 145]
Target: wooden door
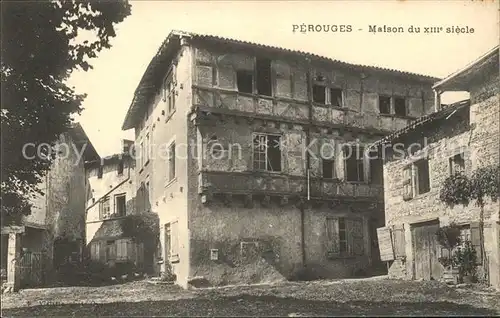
[426, 251]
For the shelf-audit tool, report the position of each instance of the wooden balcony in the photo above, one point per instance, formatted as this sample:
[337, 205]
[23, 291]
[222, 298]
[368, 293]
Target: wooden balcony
[231, 102]
[286, 185]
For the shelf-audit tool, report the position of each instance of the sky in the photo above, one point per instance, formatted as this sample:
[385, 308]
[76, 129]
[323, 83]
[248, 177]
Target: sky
[111, 84]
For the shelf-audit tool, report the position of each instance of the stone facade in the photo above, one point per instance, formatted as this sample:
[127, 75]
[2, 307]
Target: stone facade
[54, 232]
[112, 196]
[228, 221]
[469, 128]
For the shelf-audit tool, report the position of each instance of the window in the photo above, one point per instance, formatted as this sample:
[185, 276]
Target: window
[141, 154]
[104, 209]
[416, 179]
[147, 195]
[267, 152]
[264, 86]
[122, 250]
[344, 237]
[120, 204]
[328, 168]
[376, 168]
[168, 241]
[327, 96]
[457, 164]
[95, 251]
[336, 97]
[384, 104]
[319, 94]
[400, 106]
[422, 172]
[110, 251]
[99, 172]
[465, 235]
[169, 92]
[171, 162]
[244, 80]
[171, 100]
[120, 168]
[171, 240]
[354, 164]
[146, 150]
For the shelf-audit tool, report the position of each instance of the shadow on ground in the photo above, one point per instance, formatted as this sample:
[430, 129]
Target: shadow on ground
[253, 306]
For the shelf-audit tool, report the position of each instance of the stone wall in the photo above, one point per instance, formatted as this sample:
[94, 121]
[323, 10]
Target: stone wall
[167, 198]
[474, 131]
[218, 68]
[110, 184]
[206, 77]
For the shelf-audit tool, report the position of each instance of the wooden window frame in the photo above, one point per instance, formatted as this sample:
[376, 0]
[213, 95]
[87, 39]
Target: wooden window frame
[102, 214]
[116, 205]
[171, 173]
[452, 163]
[412, 180]
[265, 152]
[335, 250]
[359, 161]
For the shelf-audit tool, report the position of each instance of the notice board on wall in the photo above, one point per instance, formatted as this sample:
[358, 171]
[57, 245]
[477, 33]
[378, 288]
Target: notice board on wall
[385, 244]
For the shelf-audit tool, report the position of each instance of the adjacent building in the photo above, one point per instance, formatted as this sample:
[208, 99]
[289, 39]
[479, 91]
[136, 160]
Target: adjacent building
[112, 198]
[462, 137]
[54, 233]
[234, 144]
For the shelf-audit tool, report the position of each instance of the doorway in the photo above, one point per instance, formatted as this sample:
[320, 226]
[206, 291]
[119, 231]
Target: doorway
[426, 248]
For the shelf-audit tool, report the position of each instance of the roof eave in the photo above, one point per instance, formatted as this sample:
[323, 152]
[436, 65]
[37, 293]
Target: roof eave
[419, 122]
[453, 83]
[79, 135]
[129, 122]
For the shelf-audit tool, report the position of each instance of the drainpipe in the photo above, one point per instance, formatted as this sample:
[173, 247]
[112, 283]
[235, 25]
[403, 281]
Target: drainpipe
[308, 161]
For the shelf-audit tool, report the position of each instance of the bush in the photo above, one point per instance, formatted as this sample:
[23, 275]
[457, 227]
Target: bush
[465, 258]
[448, 236]
[456, 190]
[168, 277]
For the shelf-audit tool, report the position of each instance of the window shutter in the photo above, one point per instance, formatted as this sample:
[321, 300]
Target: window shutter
[356, 241]
[332, 237]
[101, 214]
[475, 236]
[102, 251]
[93, 251]
[398, 237]
[113, 251]
[119, 249]
[175, 239]
[407, 183]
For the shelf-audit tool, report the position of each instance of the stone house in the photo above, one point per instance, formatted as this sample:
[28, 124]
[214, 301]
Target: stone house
[223, 129]
[54, 233]
[111, 199]
[462, 136]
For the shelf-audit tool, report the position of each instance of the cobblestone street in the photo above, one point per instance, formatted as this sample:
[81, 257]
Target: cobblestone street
[320, 298]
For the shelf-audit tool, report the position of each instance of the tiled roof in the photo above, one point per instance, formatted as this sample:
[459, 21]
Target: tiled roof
[491, 57]
[445, 111]
[149, 80]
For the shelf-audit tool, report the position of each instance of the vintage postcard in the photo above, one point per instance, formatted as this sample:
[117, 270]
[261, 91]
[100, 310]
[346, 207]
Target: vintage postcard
[250, 158]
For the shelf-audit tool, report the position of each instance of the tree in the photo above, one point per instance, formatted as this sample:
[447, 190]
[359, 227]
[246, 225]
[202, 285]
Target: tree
[460, 189]
[40, 49]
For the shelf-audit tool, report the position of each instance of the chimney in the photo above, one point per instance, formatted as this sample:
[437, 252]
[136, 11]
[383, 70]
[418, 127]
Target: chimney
[437, 101]
[126, 145]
